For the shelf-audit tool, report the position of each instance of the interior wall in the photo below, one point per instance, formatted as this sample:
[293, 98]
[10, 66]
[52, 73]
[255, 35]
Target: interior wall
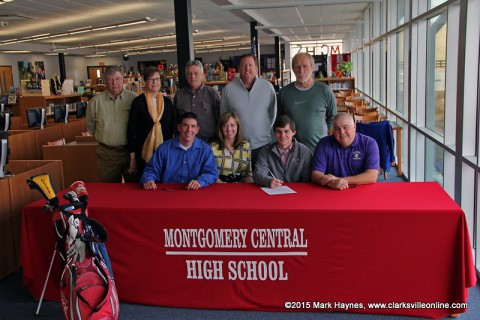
[210, 57]
[76, 66]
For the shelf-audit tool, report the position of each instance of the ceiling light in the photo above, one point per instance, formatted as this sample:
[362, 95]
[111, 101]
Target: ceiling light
[103, 28]
[209, 41]
[80, 30]
[126, 24]
[9, 40]
[118, 42]
[16, 51]
[291, 4]
[94, 56]
[57, 35]
[320, 24]
[39, 35]
[54, 53]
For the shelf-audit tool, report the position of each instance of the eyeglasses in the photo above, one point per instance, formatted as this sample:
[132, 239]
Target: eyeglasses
[154, 79]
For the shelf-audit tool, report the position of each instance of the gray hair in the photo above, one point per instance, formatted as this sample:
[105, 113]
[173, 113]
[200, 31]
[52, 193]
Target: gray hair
[194, 63]
[111, 70]
[341, 115]
[312, 61]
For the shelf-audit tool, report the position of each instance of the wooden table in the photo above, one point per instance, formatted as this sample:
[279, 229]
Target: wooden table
[79, 160]
[397, 129]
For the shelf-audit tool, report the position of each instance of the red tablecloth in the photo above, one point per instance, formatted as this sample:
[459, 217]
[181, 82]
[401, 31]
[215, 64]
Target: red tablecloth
[232, 246]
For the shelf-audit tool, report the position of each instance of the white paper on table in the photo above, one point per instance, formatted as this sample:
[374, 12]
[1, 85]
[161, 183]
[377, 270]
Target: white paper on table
[278, 190]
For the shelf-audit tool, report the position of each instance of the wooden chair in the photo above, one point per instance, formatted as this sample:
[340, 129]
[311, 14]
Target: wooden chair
[366, 117]
[349, 103]
[345, 93]
[340, 101]
[375, 109]
[59, 142]
[353, 103]
[368, 110]
[356, 109]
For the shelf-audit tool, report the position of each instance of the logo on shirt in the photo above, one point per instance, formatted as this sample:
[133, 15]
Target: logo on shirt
[357, 155]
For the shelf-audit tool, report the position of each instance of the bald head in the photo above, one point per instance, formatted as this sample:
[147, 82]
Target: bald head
[343, 116]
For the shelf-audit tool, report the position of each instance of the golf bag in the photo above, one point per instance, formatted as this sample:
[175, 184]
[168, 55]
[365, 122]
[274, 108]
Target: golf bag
[87, 288]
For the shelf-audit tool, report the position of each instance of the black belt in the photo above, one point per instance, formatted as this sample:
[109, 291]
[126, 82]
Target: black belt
[121, 148]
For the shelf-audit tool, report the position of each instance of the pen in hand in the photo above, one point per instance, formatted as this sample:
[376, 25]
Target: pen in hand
[272, 174]
[274, 182]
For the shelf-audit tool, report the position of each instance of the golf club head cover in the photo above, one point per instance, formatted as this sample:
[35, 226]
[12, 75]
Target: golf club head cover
[42, 183]
[71, 196]
[99, 232]
[79, 188]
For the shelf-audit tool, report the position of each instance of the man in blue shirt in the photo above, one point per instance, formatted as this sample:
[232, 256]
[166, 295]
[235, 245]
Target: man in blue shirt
[183, 159]
[345, 159]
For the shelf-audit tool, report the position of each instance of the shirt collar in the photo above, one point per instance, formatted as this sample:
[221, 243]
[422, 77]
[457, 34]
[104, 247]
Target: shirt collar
[119, 96]
[275, 148]
[254, 81]
[199, 89]
[195, 145]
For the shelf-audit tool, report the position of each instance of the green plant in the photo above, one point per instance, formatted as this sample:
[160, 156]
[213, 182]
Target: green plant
[345, 67]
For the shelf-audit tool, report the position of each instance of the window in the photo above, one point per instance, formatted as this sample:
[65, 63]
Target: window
[401, 8]
[433, 3]
[400, 71]
[439, 44]
[435, 77]
[433, 162]
[314, 48]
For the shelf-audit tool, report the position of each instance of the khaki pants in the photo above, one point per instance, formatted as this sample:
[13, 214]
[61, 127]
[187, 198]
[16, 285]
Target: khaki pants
[113, 163]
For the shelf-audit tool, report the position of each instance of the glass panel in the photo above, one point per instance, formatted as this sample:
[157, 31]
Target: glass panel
[400, 75]
[436, 66]
[401, 12]
[434, 3]
[383, 67]
[434, 162]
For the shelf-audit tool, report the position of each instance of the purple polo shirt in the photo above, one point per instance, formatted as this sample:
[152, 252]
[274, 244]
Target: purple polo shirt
[331, 158]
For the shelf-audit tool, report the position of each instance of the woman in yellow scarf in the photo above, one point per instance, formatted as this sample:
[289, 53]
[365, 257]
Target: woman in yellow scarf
[151, 121]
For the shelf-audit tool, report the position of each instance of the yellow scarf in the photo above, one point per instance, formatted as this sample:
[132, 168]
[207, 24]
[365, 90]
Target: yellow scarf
[155, 137]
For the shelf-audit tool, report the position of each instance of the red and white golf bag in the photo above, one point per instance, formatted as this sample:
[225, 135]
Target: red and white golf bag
[87, 288]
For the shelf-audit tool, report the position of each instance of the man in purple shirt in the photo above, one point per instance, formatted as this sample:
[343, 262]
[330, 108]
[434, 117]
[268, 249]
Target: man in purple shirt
[345, 159]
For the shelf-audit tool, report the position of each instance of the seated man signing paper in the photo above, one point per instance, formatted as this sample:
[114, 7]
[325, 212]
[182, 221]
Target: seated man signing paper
[346, 158]
[183, 159]
[285, 160]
